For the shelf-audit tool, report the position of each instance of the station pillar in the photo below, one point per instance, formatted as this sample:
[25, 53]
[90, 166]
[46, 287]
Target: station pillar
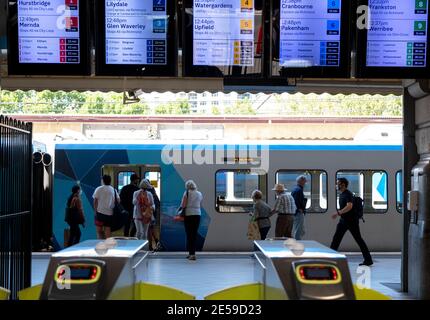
[416, 169]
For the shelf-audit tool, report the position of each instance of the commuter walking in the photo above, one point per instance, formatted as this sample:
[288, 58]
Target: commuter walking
[348, 221]
[126, 196]
[75, 216]
[104, 203]
[143, 210]
[300, 201]
[286, 209]
[191, 201]
[153, 237]
[261, 213]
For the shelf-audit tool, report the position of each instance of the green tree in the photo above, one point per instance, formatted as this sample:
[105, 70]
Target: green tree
[242, 107]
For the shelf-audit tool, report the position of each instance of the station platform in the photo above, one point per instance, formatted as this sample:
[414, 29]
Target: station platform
[214, 271]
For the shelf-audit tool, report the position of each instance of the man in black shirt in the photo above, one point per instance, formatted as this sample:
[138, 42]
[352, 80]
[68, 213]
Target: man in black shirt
[126, 196]
[348, 221]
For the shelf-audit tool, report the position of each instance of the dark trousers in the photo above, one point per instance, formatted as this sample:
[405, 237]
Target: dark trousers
[129, 226]
[75, 235]
[354, 227]
[191, 227]
[284, 226]
[263, 232]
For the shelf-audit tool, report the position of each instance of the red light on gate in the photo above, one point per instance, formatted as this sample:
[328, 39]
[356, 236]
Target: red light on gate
[302, 273]
[334, 273]
[93, 274]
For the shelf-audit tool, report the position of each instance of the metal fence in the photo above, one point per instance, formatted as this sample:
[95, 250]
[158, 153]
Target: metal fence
[15, 204]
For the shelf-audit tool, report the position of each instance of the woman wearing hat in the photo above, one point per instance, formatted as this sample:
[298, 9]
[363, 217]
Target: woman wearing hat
[285, 207]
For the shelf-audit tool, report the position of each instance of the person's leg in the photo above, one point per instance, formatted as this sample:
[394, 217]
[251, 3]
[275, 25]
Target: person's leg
[280, 229]
[338, 236]
[100, 234]
[195, 222]
[187, 225]
[298, 226]
[263, 232]
[289, 221]
[150, 237]
[145, 230]
[107, 232]
[78, 234]
[354, 228]
[71, 240]
[139, 229]
[127, 225]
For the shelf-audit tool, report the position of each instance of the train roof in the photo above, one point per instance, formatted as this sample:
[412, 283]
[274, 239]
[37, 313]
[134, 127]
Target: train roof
[273, 145]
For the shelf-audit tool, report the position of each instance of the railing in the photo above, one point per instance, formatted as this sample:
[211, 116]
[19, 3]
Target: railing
[15, 204]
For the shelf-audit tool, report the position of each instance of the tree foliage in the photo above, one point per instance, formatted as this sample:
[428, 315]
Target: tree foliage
[48, 102]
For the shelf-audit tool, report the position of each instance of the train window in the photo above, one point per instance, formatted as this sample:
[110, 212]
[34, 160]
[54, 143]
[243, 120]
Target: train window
[124, 178]
[315, 189]
[399, 191]
[234, 187]
[155, 178]
[371, 186]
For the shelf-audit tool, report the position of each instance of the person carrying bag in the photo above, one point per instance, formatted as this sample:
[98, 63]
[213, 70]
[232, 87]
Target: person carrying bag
[143, 211]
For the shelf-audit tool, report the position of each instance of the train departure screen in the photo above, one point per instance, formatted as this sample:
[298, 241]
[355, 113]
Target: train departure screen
[223, 32]
[398, 33]
[310, 33]
[136, 32]
[48, 32]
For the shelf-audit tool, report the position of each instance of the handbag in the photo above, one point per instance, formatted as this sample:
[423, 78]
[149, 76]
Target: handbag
[253, 230]
[120, 215]
[180, 213]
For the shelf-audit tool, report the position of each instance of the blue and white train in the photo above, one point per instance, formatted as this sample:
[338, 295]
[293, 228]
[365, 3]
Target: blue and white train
[226, 174]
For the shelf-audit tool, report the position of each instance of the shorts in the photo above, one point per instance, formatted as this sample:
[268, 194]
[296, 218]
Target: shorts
[103, 220]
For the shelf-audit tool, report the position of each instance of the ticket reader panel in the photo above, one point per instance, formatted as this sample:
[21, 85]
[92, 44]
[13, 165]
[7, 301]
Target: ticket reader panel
[302, 270]
[82, 279]
[94, 270]
[318, 279]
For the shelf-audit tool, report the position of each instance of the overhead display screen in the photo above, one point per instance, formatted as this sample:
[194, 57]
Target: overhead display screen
[48, 33]
[223, 33]
[396, 40]
[310, 38]
[138, 38]
[223, 37]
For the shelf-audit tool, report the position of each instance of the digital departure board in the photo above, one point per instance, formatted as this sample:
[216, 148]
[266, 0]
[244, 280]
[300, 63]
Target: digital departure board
[136, 38]
[223, 37]
[310, 38]
[396, 41]
[48, 33]
[223, 33]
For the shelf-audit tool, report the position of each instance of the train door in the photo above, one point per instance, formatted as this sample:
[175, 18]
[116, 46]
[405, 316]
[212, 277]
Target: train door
[121, 174]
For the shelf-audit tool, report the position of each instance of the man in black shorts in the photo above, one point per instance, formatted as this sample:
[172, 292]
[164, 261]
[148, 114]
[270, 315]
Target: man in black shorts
[348, 221]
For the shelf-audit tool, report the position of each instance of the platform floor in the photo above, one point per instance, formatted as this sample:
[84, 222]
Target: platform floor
[215, 271]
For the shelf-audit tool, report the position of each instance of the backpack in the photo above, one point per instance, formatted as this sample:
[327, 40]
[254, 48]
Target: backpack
[358, 207]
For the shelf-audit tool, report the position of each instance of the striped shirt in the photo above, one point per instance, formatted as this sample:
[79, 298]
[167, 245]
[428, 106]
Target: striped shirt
[285, 204]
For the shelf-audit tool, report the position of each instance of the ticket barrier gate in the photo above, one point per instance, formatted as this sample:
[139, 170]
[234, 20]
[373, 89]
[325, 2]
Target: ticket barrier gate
[301, 270]
[94, 270]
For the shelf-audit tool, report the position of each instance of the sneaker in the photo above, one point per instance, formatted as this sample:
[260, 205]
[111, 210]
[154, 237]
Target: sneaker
[193, 257]
[366, 263]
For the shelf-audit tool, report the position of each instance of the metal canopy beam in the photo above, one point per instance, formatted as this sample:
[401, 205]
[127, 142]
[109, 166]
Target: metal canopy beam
[120, 84]
[107, 84]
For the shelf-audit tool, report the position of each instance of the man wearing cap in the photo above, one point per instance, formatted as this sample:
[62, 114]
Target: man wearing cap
[285, 207]
[126, 196]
